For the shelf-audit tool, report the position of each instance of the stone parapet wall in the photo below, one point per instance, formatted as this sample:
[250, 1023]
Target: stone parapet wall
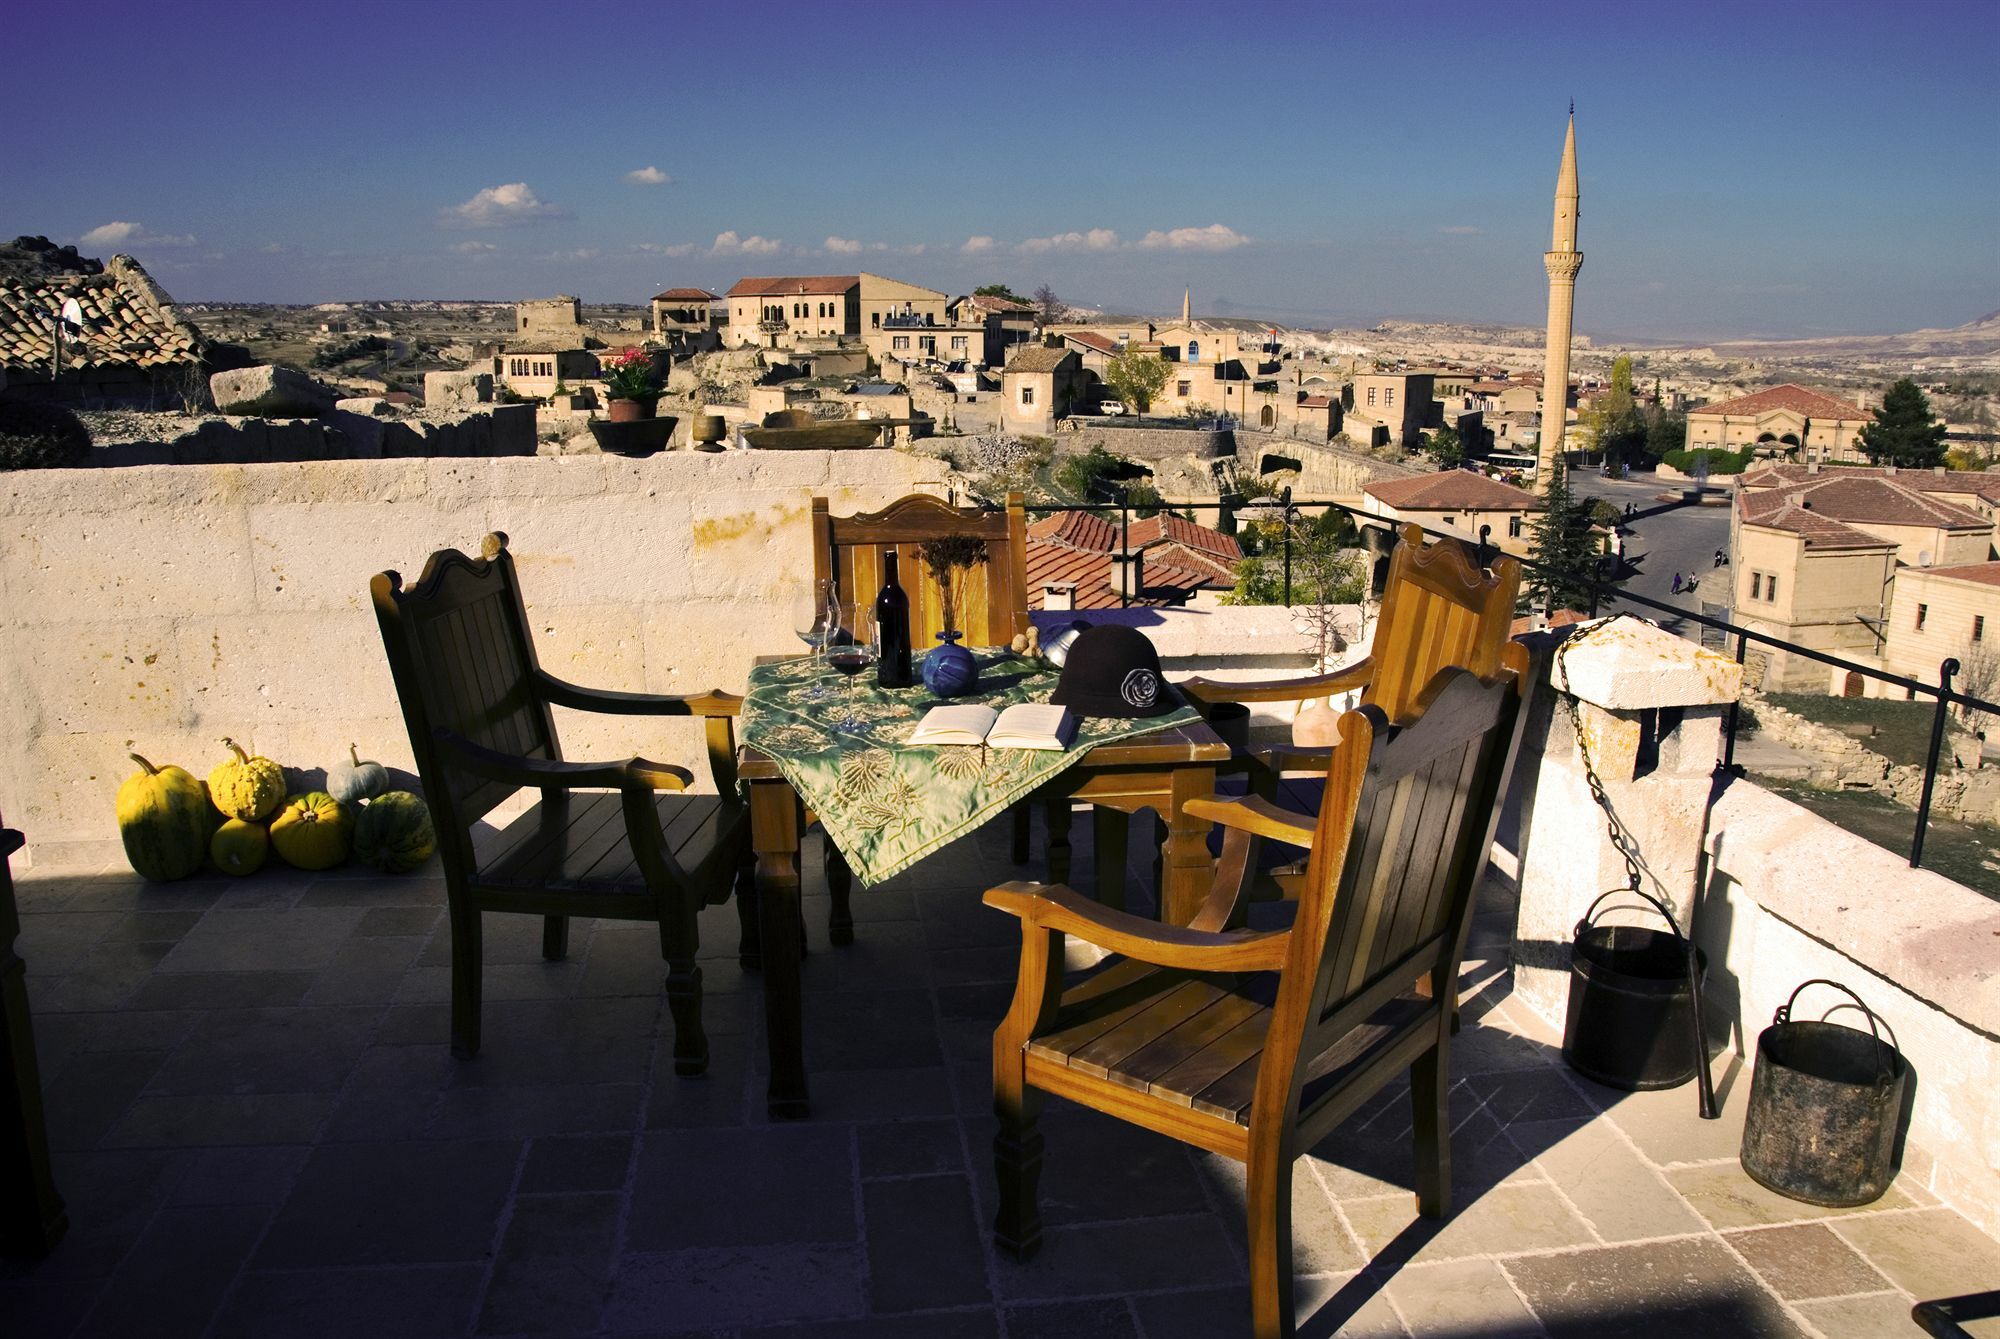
[1151, 444]
[1962, 790]
[488, 430]
[157, 609]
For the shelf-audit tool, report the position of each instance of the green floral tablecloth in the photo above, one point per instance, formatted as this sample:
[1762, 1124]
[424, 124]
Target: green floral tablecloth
[885, 802]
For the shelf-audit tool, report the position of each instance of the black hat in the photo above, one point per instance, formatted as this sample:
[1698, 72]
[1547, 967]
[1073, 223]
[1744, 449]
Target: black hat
[1114, 671]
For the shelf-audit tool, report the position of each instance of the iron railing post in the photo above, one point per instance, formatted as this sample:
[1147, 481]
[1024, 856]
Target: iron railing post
[1485, 545]
[1125, 547]
[1729, 722]
[1287, 523]
[1945, 671]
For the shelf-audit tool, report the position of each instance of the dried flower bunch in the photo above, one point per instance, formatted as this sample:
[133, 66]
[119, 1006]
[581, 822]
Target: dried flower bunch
[946, 556]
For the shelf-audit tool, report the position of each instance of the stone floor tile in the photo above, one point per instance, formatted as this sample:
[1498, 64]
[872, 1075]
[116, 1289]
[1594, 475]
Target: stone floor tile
[924, 1244]
[1504, 1220]
[111, 1196]
[1665, 1125]
[740, 1286]
[250, 1175]
[90, 1094]
[882, 1094]
[1726, 1196]
[393, 1302]
[570, 1164]
[1321, 1243]
[194, 1121]
[983, 1323]
[1542, 1093]
[1873, 1317]
[399, 922]
[1095, 1167]
[175, 1278]
[871, 1029]
[1347, 1307]
[1120, 1257]
[223, 990]
[52, 1307]
[786, 1184]
[415, 1024]
[300, 938]
[1100, 1318]
[407, 891]
[1806, 1260]
[553, 1271]
[1460, 1297]
[1929, 1253]
[489, 1112]
[268, 1051]
[1366, 1159]
[1692, 1285]
[885, 955]
[910, 1148]
[723, 1095]
[526, 1043]
[393, 1203]
[1618, 1192]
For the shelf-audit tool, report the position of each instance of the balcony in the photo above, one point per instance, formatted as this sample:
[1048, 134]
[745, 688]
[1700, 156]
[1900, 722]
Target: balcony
[909, 322]
[774, 325]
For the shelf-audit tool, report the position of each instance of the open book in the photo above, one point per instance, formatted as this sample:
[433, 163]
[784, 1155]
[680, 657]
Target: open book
[1025, 725]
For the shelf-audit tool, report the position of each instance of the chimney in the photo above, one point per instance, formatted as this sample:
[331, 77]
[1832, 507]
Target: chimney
[1812, 467]
[1128, 572]
[1058, 595]
[1938, 470]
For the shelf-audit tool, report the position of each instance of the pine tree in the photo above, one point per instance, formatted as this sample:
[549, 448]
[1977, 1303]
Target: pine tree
[1562, 549]
[1904, 431]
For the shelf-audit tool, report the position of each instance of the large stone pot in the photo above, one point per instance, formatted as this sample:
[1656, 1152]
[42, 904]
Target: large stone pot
[644, 437]
[632, 411]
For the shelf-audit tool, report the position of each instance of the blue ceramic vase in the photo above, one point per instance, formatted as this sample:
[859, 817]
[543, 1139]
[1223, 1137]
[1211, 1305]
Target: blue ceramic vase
[949, 670]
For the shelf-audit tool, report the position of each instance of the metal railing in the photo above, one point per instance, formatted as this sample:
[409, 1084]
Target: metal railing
[1604, 592]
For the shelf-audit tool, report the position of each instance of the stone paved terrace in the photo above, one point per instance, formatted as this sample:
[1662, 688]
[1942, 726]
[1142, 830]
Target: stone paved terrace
[261, 1133]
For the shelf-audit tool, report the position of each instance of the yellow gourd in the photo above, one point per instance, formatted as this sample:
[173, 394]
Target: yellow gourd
[312, 831]
[245, 787]
[238, 847]
[164, 821]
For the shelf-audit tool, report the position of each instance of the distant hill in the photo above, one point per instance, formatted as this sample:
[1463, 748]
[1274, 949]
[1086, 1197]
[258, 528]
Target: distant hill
[36, 260]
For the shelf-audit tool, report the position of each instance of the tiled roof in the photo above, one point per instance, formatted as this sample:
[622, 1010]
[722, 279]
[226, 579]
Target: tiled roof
[1796, 398]
[685, 295]
[1316, 402]
[988, 302]
[127, 318]
[1451, 490]
[1092, 341]
[782, 285]
[1869, 498]
[1978, 483]
[1819, 530]
[1986, 574]
[1167, 528]
[1078, 529]
[1163, 583]
[1037, 358]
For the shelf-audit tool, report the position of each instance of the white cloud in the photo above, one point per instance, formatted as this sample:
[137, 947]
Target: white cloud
[273, 248]
[677, 249]
[915, 249]
[1097, 239]
[1215, 237]
[473, 248]
[648, 176]
[974, 245]
[581, 253]
[729, 244]
[1460, 230]
[842, 246]
[501, 207]
[122, 233]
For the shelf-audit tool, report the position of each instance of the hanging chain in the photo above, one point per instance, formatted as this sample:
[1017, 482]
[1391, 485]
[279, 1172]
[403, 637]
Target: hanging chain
[1621, 841]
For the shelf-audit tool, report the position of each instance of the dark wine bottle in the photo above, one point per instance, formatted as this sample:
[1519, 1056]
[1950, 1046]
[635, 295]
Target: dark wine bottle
[892, 624]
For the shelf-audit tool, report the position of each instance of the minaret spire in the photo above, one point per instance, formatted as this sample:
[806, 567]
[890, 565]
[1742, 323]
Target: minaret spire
[1562, 261]
[1187, 305]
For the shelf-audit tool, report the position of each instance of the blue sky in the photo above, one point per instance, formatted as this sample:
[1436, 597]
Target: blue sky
[1748, 168]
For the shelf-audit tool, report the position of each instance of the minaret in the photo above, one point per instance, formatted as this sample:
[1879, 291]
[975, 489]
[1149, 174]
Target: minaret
[1562, 261]
[1187, 306]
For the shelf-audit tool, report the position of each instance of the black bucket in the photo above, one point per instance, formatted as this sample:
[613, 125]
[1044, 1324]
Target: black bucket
[1826, 1101]
[1632, 1018]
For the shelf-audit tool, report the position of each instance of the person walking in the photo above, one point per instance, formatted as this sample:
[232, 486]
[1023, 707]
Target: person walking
[1720, 557]
[1675, 589]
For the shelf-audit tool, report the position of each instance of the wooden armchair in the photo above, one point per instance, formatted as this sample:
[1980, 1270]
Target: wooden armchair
[1439, 608]
[32, 1217]
[1257, 1046]
[993, 600]
[617, 840]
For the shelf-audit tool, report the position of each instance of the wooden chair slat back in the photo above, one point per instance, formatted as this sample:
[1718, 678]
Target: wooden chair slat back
[993, 597]
[1438, 609]
[462, 659]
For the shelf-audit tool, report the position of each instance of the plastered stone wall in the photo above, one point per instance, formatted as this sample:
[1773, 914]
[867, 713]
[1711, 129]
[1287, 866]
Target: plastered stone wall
[156, 609]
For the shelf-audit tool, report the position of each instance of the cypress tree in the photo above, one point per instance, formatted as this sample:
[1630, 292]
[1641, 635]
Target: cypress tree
[1562, 547]
[1904, 431]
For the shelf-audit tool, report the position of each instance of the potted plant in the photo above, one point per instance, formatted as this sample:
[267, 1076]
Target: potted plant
[949, 669]
[632, 385]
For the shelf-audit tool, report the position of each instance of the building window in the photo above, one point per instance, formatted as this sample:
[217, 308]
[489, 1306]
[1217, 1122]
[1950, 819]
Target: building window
[1771, 587]
[1388, 397]
[1979, 627]
[875, 320]
[1027, 396]
[899, 342]
[1194, 351]
[1923, 612]
[1181, 388]
[1447, 520]
[1756, 585]
[1371, 397]
[1513, 527]
[960, 343]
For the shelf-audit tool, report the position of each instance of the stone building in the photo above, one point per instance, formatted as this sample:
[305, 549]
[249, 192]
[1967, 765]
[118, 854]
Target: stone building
[1456, 501]
[1391, 408]
[1038, 386]
[1006, 325]
[555, 323]
[779, 311]
[1975, 490]
[1782, 420]
[109, 336]
[1940, 612]
[535, 373]
[686, 313]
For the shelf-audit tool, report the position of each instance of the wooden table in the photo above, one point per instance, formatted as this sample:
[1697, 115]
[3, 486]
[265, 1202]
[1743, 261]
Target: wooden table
[1159, 771]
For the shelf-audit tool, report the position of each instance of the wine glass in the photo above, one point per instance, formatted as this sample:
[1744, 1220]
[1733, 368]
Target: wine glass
[850, 656]
[816, 619]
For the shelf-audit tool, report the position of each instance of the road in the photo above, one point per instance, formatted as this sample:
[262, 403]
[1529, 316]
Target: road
[1664, 538]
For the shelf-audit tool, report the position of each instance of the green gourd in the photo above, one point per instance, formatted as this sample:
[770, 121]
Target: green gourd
[245, 787]
[164, 820]
[353, 781]
[394, 833]
[312, 831]
[239, 848]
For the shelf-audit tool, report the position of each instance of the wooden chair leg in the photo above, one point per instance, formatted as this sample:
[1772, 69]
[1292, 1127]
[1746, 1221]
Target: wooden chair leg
[467, 946]
[1268, 1211]
[555, 938]
[1058, 815]
[839, 887]
[750, 947]
[1017, 1168]
[1108, 837]
[678, 943]
[1430, 1098]
[1024, 818]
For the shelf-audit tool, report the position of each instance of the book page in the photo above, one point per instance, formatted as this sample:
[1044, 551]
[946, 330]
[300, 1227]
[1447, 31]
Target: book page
[966, 723]
[1032, 725]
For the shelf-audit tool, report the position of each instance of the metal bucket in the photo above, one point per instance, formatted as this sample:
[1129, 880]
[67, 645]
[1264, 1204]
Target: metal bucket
[1633, 1012]
[1826, 1101]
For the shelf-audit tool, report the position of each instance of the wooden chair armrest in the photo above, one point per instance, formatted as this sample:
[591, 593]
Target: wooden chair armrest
[10, 842]
[1295, 758]
[1211, 691]
[1051, 906]
[562, 693]
[511, 769]
[1255, 814]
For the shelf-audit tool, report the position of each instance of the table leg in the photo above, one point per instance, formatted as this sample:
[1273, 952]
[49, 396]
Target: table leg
[1058, 815]
[839, 887]
[1107, 842]
[1187, 867]
[774, 834]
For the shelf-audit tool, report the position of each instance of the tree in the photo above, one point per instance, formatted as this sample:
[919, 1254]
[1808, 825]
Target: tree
[1137, 377]
[1446, 448]
[1563, 550]
[1666, 430]
[1904, 431]
[1048, 307]
[1081, 474]
[1326, 573]
[1000, 291]
[1613, 425]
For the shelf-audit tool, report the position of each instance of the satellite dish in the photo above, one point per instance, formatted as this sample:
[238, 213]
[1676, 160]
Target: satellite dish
[1924, 558]
[72, 319]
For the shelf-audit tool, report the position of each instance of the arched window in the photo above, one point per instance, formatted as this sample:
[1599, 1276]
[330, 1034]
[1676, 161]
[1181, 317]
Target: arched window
[1267, 417]
[1194, 351]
